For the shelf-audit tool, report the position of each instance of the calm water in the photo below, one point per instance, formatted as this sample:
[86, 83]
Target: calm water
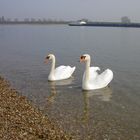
[112, 113]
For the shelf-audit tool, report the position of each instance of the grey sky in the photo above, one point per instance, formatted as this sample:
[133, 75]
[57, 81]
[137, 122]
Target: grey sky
[107, 10]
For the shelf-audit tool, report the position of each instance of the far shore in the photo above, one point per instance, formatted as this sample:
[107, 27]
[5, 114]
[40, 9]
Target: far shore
[33, 22]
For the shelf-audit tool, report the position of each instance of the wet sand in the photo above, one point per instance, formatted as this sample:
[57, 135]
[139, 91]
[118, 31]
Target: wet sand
[19, 119]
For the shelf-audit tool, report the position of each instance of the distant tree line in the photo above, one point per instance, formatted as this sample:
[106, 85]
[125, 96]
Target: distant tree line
[4, 20]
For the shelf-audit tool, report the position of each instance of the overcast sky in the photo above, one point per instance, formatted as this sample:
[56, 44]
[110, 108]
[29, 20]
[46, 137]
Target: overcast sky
[99, 10]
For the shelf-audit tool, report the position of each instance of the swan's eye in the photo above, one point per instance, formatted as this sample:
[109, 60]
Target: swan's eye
[48, 57]
[83, 57]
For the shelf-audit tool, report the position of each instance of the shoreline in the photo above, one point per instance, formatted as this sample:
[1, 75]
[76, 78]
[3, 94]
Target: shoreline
[19, 119]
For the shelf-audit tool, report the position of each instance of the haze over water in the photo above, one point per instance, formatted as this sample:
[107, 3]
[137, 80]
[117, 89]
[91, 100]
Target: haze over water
[109, 113]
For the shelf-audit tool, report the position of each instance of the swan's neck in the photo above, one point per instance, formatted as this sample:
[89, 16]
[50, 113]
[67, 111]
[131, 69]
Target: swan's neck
[87, 70]
[86, 77]
[52, 66]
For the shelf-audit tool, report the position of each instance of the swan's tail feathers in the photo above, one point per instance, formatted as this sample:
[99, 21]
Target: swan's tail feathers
[107, 76]
[73, 69]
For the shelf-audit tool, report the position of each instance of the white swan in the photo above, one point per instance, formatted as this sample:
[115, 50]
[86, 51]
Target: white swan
[91, 79]
[59, 73]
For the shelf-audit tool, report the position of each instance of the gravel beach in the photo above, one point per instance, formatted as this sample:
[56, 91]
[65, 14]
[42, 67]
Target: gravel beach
[19, 119]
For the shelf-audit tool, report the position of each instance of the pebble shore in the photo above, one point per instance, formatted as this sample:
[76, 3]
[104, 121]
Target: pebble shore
[20, 120]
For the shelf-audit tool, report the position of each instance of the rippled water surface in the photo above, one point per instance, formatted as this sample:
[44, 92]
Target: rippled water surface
[112, 113]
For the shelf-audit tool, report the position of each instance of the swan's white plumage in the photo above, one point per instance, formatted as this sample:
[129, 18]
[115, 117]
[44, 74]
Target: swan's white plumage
[61, 72]
[92, 79]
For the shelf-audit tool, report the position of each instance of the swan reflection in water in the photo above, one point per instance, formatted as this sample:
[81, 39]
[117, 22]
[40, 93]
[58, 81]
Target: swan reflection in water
[103, 94]
[53, 91]
[62, 82]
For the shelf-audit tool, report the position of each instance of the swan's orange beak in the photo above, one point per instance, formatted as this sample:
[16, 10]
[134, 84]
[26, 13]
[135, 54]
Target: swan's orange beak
[46, 60]
[82, 59]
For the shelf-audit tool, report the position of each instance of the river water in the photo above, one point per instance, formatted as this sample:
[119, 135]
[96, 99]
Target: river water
[112, 113]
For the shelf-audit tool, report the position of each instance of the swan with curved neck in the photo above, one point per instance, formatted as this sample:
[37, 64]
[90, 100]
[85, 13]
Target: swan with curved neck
[91, 79]
[59, 73]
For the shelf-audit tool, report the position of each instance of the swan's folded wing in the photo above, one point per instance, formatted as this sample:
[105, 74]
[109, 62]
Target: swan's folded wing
[63, 72]
[60, 68]
[105, 76]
